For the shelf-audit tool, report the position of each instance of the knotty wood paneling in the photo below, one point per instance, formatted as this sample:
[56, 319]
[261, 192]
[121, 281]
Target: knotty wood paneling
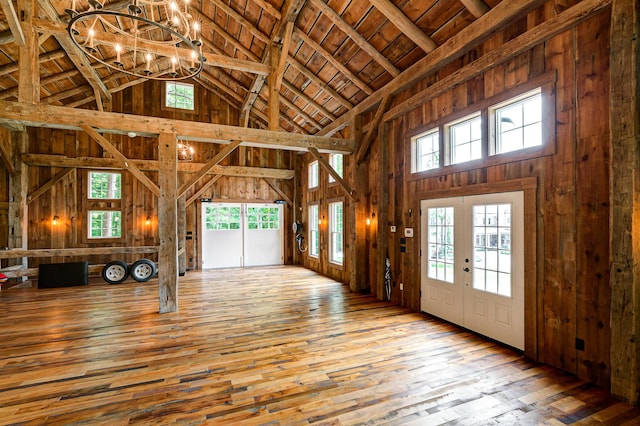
[65, 199]
[571, 292]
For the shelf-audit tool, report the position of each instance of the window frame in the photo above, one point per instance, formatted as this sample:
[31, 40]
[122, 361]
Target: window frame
[332, 221]
[97, 205]
[313, 165]
[493, 125]
[314, 226]
[331, 163]
[546, 82]
[446, 131]
[415, 158]
[175, 108]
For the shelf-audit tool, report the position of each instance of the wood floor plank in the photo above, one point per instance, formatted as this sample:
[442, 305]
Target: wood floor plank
[267, 346]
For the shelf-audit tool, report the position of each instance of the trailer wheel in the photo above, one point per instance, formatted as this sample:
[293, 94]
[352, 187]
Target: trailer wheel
[115, 272]
[143, 270]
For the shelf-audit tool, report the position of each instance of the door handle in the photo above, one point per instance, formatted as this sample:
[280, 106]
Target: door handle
[466, 269]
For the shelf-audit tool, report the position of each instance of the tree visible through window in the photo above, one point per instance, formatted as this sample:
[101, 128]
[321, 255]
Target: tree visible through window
[426, 151]
[105, 224]
[222, 218]
[180, 95]
[314, 236]
[101, 222]
[263, 218]
[313, 175]
[105, 186]
[336, 161]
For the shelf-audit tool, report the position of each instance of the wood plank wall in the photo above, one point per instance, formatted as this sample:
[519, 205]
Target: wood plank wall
[572, 216]
[65, 199]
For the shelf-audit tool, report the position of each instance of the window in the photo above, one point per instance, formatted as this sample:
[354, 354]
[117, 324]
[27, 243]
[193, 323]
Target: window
[105, 186]
[517, 123]
[336, 254]
[440, 240]
[222, 218]
[105, 224]
[313, 175]
[335, 160]
[425, 150]
[465, 140]
[263, 218]
[314, 235]
[180, 95]
[492, 248]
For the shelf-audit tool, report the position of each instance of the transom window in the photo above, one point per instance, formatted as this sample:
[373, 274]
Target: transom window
[180, 95]
[426, 151]
[336, 161]
[440, 243]
[465, 140]
[105, 186]
[518, 123]
[313, 175]
[222, 218]
[336, 252]
[263, 218]
[314, 236]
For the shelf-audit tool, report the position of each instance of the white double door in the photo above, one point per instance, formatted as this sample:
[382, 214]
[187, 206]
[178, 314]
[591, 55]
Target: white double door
[241, 235]
[472, 263]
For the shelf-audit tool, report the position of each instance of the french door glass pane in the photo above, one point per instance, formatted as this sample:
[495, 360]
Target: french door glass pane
[441, 248]
[492, 248]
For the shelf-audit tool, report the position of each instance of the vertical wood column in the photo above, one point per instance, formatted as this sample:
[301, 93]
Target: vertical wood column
[168, 223]
[18, 185]
[29, 63]
[274, 102]
[182, 235]
[382, 188]
[625, 200]
[357, 216]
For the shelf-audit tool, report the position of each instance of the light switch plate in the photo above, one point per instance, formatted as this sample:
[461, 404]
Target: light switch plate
[393, 228]
[408, 232]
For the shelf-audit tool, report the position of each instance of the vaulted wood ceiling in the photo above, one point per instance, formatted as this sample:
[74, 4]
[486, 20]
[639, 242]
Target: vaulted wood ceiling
[338, 54]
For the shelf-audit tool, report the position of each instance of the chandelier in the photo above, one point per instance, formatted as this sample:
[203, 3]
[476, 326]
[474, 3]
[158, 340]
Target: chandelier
[185, 151]
[153, 39]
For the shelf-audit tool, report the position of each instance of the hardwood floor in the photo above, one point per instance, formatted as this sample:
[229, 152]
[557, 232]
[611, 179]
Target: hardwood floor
[276, 346]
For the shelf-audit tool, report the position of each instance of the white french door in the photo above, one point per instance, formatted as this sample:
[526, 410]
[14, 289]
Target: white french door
[241, 235]
[472, 263]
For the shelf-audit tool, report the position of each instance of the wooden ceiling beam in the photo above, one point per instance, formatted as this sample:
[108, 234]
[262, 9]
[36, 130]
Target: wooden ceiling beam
[377, 119]
[14, 23]
[456, 46]
[45, 57]
[43, 82]
[300, 112]
[269, 8]
[274, 185]
[360, 41]
[6, 37]
[77, 57]
[284, 54]
[108, 122]
[404, 24]
[510, 49]
[318, 82]
[341, 182]
[312, 103]
[242, 21]
[100, 163]
[120, 158]
[476, 7]
[333, 61]
[224, 153]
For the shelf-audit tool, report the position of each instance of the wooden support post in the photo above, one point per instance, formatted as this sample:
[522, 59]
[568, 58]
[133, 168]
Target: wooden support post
[182, 235]
[167, 223]
[29, 63]
[274, 96]
[624, 195]
[18, 185]
[357, 216]
[382, 215]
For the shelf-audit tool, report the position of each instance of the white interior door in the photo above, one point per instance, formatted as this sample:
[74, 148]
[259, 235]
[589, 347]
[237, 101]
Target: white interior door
[238, 235]
[221, 235]
[263, 235]
[472, 264]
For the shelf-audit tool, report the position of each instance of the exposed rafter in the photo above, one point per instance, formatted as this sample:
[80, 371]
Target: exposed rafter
[404, 24]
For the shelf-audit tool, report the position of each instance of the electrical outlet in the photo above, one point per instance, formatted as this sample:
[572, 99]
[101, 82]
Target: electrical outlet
[401, 286]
